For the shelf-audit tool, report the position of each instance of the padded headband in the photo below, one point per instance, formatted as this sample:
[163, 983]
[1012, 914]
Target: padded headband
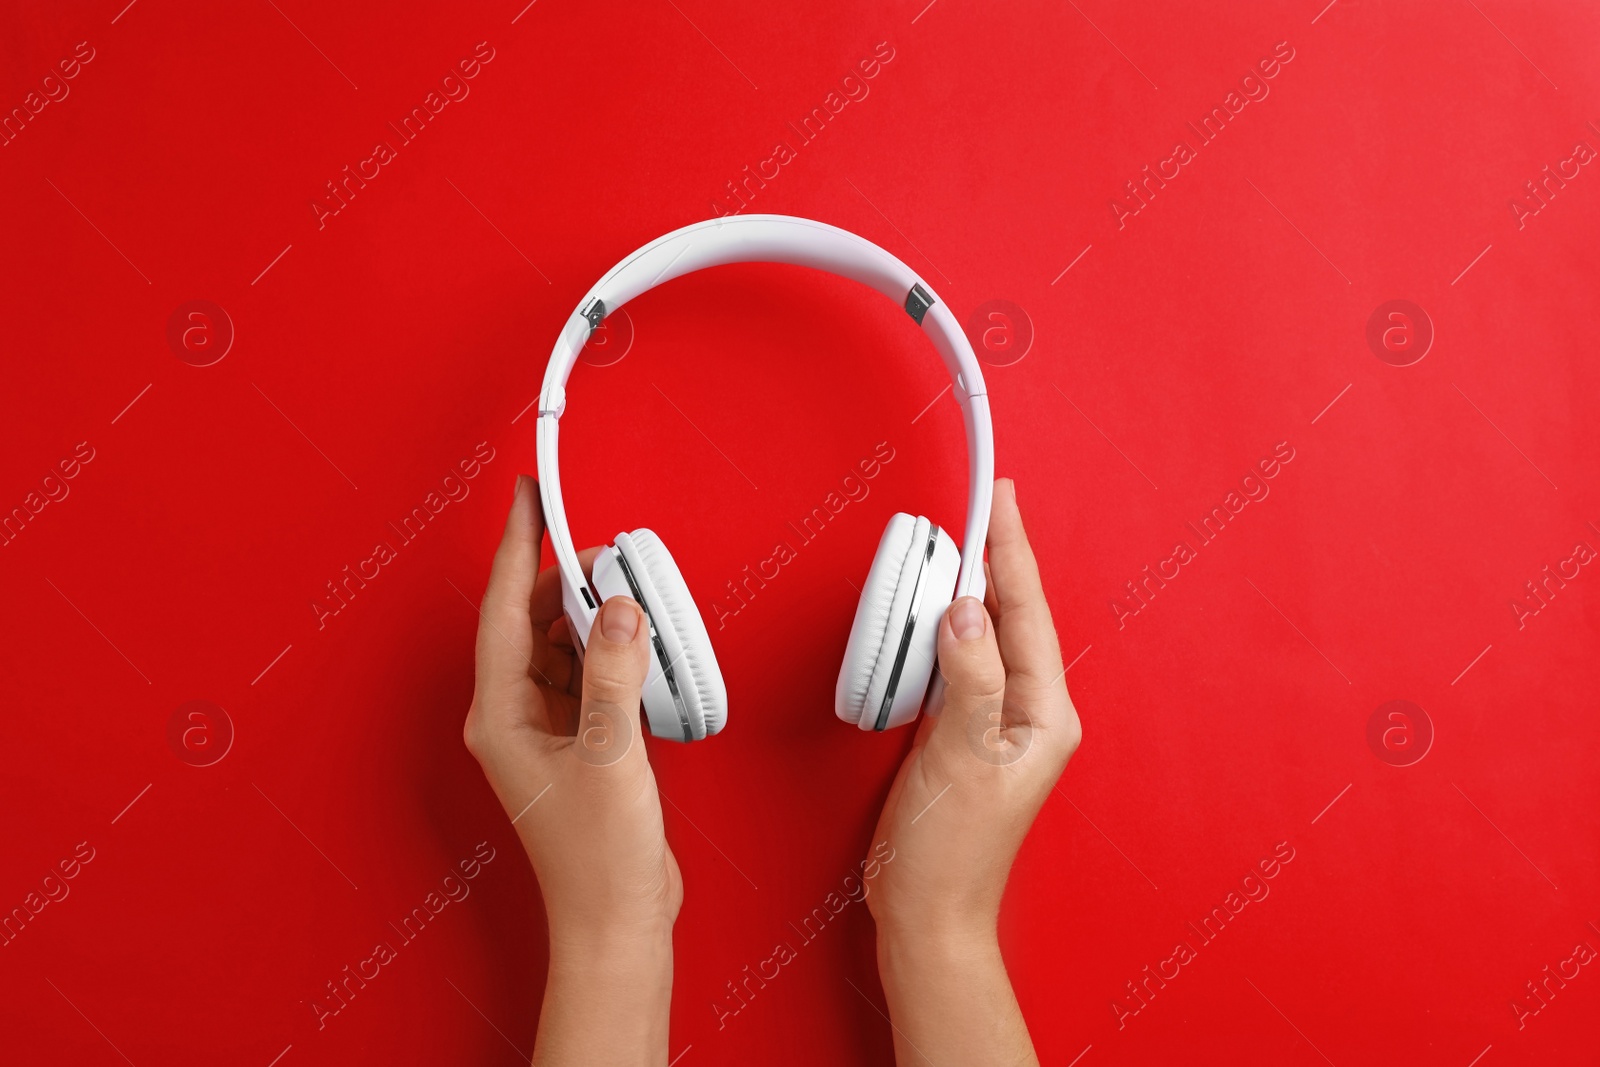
[764, 239]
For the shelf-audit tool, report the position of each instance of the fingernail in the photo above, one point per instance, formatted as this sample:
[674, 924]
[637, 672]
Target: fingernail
[967, 619]
[522, 482]
[621, 620]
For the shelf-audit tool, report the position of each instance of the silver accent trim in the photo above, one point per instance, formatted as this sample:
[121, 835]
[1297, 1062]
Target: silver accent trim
[911, 625]
[655, 639]
[918, 301]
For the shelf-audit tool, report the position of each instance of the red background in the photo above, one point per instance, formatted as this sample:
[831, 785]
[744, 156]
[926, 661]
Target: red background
[377, 351]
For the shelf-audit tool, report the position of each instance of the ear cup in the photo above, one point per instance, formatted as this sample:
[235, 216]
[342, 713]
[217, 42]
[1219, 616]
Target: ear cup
[871, 625]
[684, 696]
[893, 640]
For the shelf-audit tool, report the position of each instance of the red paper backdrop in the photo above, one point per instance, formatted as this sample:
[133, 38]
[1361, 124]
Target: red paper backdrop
[1173, 348]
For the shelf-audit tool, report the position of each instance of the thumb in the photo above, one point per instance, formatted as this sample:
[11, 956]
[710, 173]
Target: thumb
[974, 679]
[615, 661]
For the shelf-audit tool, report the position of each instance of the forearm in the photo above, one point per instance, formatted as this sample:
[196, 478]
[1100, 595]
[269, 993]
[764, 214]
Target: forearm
[950, 998]
[606, 1000]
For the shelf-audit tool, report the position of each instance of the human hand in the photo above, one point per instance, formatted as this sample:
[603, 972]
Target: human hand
[561, 744]
[981, 765]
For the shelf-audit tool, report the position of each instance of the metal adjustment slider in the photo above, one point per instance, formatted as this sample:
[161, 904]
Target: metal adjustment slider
[595, 312]
[918, 301]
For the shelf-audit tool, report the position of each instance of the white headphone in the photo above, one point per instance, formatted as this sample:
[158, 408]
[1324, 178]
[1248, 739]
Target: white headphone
[914, 577]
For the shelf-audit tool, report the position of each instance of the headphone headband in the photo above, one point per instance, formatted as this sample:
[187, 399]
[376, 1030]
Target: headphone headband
[763, 239]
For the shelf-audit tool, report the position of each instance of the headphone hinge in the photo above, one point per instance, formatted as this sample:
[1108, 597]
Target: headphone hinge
[918, 301]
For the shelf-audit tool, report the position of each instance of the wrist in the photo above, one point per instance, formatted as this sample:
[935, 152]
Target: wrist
[926, 923]
[608, 994]
[932, 940]
[635, 963]
[592, 936]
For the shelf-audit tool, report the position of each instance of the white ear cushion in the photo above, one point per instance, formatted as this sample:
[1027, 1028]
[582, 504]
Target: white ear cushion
[698, 677]
[880, 621]
[871, 623]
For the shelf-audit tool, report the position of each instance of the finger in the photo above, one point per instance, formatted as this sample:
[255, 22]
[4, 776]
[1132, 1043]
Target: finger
[616, 660]
[546, 602]
[505, 632]
[1026, 633]
[969, 662]
[560, 635]
[553, 653]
